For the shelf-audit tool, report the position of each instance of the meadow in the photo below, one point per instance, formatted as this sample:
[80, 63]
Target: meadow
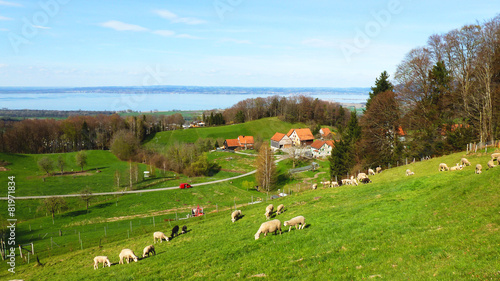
[433, 225]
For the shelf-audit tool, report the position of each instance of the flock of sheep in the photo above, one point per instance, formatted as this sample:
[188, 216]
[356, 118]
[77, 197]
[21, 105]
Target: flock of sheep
[275, 225]
[464, 162]
[361, 178]
[128, 255]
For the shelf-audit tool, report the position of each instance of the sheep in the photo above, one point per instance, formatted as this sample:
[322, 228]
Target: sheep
[148, 250]
[378, 170]
[267, 227]
[335, 184]
[361, 176]
[346, 182]
[270, 208]
[443, 167]
[354, 181]
[479, 168]
[128, 255]
[371, 172]
[464, 162]
[105, 261]
[366, 180]
[314, 186]
[160, 236]
[491, 164]
[409, 172]
[280, 209]
[299, 223]
[495, 156]
[326, 183]
[175, 231]
[184, 229]
[235, 215]
[456, 167]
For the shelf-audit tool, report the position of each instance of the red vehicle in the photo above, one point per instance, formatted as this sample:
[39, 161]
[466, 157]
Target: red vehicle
[196, 212]
[185, 185]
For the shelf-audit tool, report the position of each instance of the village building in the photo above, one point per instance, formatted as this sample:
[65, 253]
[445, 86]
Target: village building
[280, 141]
[321, 148]
[301, 137]
[325, 133]
[242, 142]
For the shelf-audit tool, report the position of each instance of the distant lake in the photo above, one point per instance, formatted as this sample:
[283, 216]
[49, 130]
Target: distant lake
[145, 101]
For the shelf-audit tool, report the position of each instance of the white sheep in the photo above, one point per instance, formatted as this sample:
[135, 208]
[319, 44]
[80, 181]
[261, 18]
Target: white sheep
[160, 236]
[361, 176]
[148, 250]
[354, 181]
[371, 172]
[335, 184]
[456, 167]
[326, 183]
[409, 172]
[443, 167]
[105, 261]
[465, 162]
[495, 156]
[346, 182]
[128, 255]
[378, 170]
[314, 186]
[280, 209]
[491, 164]
[267, 227]
[479, 168]
[235, 215]
[299, 223]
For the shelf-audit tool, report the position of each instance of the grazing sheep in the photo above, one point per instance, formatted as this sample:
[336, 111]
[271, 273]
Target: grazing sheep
[479, 168]
[184, 229]
[148, 250]
[366, 180]
[491, 164]
[409, 172]
[443, 167]
[335, 184]
[267, 227]
[160, 236]
[361, 176]
[235, 215]
[498, 160]
[354, 181]
[495, 156]
[280, 209]
[464, 162]
[456, 167]
[299, 223]
[378, 170]
[175, 231]
[128, 255]
[371, 172]
[105, 261]
[270, 208]
[314, 186]
[346, 182]
[326, 183]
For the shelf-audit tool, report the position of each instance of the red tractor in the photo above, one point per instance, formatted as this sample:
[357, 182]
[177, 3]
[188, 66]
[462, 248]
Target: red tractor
[184, 185]
[196, 212]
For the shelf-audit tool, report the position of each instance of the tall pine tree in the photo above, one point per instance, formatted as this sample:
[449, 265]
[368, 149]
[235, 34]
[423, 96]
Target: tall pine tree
[382, 84]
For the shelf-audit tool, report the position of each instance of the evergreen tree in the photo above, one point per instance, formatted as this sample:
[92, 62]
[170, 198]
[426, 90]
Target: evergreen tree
[340, 160]
[353, 130]
[382, 84]
[240, 117]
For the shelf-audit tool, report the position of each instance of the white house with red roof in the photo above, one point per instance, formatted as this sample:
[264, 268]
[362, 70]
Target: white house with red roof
[242, 142]
[301, 137]
[321, 148]
[280, 141]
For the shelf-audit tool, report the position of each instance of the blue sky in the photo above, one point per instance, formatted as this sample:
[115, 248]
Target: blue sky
[218, 42]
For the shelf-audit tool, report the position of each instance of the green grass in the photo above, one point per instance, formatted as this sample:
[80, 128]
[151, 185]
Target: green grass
[433, 225]
[265, 128]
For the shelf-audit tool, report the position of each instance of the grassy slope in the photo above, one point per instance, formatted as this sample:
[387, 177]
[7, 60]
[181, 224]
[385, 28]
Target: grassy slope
[441, 225]
[264, 128]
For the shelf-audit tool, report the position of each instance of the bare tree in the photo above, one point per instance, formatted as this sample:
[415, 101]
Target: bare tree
[86, 195]
[266, 168]
[53, 205]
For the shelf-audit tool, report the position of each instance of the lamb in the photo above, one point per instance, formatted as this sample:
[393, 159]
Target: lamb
[175, 231]
[409, 172]
[335, 184]
[464, 162]
[269, 210]
[491, 164]
[456, 167]
[148, 250]
[160, 236]
[361, 176]
[280, 209]
[443, 167]
[128, 255]
[184, 229]
[354, 181]
[326, 183]
[105, 261]
[346, 182]
[378, 170]
[267, 227]
[235, 215]
[371, 172]
[315, 186]
[479, 168]
[299, 223]
[366, 180]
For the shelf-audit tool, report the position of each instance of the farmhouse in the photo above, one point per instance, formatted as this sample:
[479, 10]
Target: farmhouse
[242, 142]
[301, 137]
[320, 148]
[280, 141]
[325, 133]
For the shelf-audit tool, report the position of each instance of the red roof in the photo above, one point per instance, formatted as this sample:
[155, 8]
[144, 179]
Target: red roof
[317, 144]
[326, 131]
[232, 142]
[303, 134]
[245, 140]
[278, 137]
[330, 143]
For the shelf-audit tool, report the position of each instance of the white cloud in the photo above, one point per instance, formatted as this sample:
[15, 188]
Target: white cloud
[166, 33]
[10, 4]
[121, 26]
[5, 18]
[166, 14]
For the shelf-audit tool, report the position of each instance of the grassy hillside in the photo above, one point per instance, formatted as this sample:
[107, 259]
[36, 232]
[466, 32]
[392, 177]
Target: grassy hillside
[265, 128]
[433, 225]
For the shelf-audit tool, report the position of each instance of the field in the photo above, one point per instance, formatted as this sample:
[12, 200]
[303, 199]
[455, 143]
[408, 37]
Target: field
[433, 225]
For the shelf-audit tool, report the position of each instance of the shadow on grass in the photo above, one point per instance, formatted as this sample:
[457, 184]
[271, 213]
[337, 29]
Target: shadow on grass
[75, 213]
[103, 205]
